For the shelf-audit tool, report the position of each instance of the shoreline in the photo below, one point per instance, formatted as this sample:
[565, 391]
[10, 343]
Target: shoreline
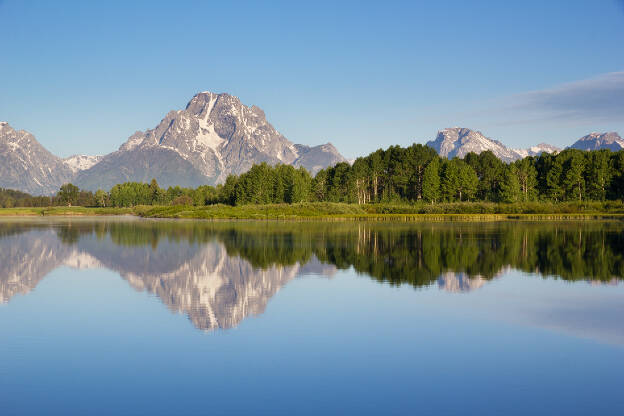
[340, 212]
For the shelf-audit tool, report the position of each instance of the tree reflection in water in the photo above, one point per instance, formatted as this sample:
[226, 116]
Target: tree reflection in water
[218, 273]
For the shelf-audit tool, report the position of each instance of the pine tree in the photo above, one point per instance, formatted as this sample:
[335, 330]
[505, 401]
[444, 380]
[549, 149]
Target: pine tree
[574, 180]
[449, 180]
[553, 180]
[468, 181]
[598, 174]
[431, 181]
[510, 186]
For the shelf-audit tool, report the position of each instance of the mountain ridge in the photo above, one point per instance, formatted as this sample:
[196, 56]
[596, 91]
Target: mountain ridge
[598, 141]
[459, 141]
[27, 166]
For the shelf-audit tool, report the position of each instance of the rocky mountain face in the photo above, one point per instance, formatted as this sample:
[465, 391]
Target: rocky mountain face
[78, 163]
[214, 136]
[598, 141]
[537, 150]
[458, 142]
[25, 165]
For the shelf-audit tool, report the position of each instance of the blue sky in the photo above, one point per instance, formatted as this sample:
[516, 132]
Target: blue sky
[83, 77]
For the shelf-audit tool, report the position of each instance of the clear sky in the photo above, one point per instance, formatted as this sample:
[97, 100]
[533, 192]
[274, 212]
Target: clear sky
[83, 77]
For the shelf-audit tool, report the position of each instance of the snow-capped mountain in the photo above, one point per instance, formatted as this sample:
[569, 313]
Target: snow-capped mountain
[537, 150]
[458, 142]
[597, 141]
[25, 165]
[214, 136]
[81, 162]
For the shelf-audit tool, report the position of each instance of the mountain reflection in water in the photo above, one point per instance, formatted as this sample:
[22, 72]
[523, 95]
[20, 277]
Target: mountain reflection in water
[220, 273]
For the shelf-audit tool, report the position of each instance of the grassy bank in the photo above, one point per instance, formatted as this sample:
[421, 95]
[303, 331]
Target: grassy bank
[64, 211]
[326, 210]
[385, 211]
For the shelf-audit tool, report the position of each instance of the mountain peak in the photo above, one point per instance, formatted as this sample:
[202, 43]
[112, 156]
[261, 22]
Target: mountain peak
[597, 141]
[459, 141]
[27, 166]
[79, 163]
[214, 136]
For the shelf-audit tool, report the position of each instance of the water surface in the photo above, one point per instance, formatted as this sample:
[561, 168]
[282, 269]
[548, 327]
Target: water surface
[128, 316]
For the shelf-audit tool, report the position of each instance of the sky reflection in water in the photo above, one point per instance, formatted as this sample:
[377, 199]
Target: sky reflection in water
[507, 317]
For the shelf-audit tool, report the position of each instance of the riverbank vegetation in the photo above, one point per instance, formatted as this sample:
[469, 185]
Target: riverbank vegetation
[412, 180]
[334, 210]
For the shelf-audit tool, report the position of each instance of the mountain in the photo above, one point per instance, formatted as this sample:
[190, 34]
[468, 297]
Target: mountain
[213, 137]
[78, 163]
[597, 141]
[537, 150]
[27, 166]
[458, 142]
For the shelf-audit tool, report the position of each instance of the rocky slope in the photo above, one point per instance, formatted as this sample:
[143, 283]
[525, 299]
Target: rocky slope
[458, 142]
[25, 165]
[537, 150]
[214, 136]
[78, 163]
[597, 141]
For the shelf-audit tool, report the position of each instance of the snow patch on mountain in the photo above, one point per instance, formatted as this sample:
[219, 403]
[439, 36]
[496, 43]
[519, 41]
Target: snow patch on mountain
[207, 136]
[81, 162]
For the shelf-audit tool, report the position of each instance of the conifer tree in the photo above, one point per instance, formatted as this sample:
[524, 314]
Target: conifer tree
[510, 186]
[431, 181]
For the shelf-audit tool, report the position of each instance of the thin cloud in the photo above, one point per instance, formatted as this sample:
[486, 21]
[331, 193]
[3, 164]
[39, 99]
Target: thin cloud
[595, 99]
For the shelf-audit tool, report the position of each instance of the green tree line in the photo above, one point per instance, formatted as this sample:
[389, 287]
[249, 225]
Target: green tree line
[397, 174]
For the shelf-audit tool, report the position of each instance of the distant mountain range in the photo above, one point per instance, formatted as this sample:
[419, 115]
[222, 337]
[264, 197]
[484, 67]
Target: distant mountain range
[458, 142]
[213, 137]
[597, 141]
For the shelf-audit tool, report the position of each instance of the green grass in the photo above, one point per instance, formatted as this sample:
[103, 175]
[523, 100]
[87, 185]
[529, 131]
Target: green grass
[269, 211]
[445, 211]
[64, 211]
[328, 210]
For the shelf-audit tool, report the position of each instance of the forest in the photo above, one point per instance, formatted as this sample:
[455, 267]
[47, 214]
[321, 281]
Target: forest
[395, 175]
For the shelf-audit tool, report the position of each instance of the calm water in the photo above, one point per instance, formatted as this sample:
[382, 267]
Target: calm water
[159, 317]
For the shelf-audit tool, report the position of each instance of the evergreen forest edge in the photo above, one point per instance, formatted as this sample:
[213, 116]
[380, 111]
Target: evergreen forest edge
[397, 180]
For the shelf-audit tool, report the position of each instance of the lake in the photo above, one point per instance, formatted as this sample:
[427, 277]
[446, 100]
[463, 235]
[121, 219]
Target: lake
[128, 316]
